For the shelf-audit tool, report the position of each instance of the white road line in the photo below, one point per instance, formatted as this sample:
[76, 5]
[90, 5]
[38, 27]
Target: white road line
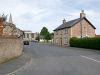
[13, 73]
[90, 59]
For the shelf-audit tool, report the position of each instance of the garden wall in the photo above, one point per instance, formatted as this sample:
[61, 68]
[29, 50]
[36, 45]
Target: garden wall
[10, 47]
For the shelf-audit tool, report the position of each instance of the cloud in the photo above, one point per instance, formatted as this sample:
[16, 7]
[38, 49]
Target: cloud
[34, 14]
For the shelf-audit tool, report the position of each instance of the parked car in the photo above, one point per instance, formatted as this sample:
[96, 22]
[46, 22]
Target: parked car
[26, 42]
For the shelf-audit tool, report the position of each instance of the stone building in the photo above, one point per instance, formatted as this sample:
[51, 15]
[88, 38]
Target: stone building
[80, 27]
[10, 29]
[29, 35]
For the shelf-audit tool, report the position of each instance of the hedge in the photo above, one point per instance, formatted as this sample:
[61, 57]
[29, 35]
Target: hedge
[91, 43]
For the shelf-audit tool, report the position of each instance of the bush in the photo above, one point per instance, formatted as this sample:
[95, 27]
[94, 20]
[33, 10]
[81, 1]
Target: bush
[91, 43]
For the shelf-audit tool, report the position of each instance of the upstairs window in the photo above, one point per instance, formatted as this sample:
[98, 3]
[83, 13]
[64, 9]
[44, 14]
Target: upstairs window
[27, 35]
[56, 32]
[66, 31]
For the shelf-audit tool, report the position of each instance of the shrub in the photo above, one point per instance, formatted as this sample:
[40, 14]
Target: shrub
[91, 43]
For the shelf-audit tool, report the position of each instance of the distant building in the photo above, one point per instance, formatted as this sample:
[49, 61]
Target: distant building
[29, 36]
[80, 27]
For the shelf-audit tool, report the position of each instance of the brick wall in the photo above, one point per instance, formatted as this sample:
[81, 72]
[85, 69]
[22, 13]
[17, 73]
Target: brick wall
[87, 30]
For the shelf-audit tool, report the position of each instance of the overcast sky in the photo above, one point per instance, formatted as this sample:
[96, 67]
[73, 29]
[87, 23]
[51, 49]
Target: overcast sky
[34, 14]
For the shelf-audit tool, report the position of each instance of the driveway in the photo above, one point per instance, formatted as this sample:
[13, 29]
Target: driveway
[55, 60]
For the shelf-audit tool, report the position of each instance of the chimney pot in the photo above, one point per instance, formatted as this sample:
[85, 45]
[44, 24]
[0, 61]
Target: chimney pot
[64, 21]
[82, 14]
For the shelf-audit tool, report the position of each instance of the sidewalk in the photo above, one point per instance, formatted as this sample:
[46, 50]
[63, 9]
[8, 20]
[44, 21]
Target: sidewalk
[15, 64]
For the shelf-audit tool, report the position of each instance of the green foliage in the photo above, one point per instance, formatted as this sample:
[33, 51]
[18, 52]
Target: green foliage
[37, 38]
[44, 31]
[91, 43]
[52, 35]
[44, 34]
[48, 36]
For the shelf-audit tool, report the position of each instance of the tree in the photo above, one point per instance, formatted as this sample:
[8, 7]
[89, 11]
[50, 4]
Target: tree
[37, 38]
[44, 31]
[48, 36]
[45, 34]
[52, 35]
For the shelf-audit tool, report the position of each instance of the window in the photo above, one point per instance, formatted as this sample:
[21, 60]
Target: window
[56, 32]
[61, 32]
[24, 36]
[66, 31]
[32, 35]
[65, 40]
[27, 35]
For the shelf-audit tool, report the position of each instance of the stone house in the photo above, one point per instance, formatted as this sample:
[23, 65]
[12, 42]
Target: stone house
[80, 27]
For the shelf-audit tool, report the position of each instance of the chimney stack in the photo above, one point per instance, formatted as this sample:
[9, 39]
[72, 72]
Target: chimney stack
[82, 14]
[64, 21]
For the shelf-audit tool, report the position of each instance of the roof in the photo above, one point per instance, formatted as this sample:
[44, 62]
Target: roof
[97, 35]
[9, 24]
[72, 23]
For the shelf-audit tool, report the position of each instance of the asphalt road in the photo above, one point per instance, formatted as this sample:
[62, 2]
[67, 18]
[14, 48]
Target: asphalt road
[54, 60]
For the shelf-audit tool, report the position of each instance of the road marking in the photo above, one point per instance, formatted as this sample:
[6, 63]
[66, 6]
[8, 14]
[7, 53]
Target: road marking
[13, 73]
[90, 59]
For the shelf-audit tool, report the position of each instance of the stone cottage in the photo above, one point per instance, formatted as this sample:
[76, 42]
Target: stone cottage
[80, 27]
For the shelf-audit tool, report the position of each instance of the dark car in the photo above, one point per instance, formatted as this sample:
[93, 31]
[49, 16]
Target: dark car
[26, 42]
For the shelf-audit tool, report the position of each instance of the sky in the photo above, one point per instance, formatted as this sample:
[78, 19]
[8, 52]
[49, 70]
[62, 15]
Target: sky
[35, 14]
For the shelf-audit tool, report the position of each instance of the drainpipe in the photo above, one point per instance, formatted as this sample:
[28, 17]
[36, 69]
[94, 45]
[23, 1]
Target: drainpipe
[81, 27]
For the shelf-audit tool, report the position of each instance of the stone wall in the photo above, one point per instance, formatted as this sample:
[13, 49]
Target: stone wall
[61, 37]
[10, 47]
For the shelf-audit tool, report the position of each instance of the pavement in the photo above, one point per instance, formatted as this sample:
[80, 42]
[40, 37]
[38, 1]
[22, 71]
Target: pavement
[14, 65]
[54, 60]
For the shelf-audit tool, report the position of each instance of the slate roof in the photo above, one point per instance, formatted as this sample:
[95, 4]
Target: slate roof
[72, 23]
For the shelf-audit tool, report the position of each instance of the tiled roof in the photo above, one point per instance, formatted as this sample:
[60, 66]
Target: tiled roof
[71, 23]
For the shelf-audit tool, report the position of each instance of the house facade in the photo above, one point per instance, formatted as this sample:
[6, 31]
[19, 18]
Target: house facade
[80, 27]
[29, 36]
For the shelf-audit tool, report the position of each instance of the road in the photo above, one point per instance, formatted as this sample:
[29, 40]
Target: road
[54, 60]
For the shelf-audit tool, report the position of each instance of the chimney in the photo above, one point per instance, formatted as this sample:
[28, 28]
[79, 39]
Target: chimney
[64, 21]
[82, 14]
